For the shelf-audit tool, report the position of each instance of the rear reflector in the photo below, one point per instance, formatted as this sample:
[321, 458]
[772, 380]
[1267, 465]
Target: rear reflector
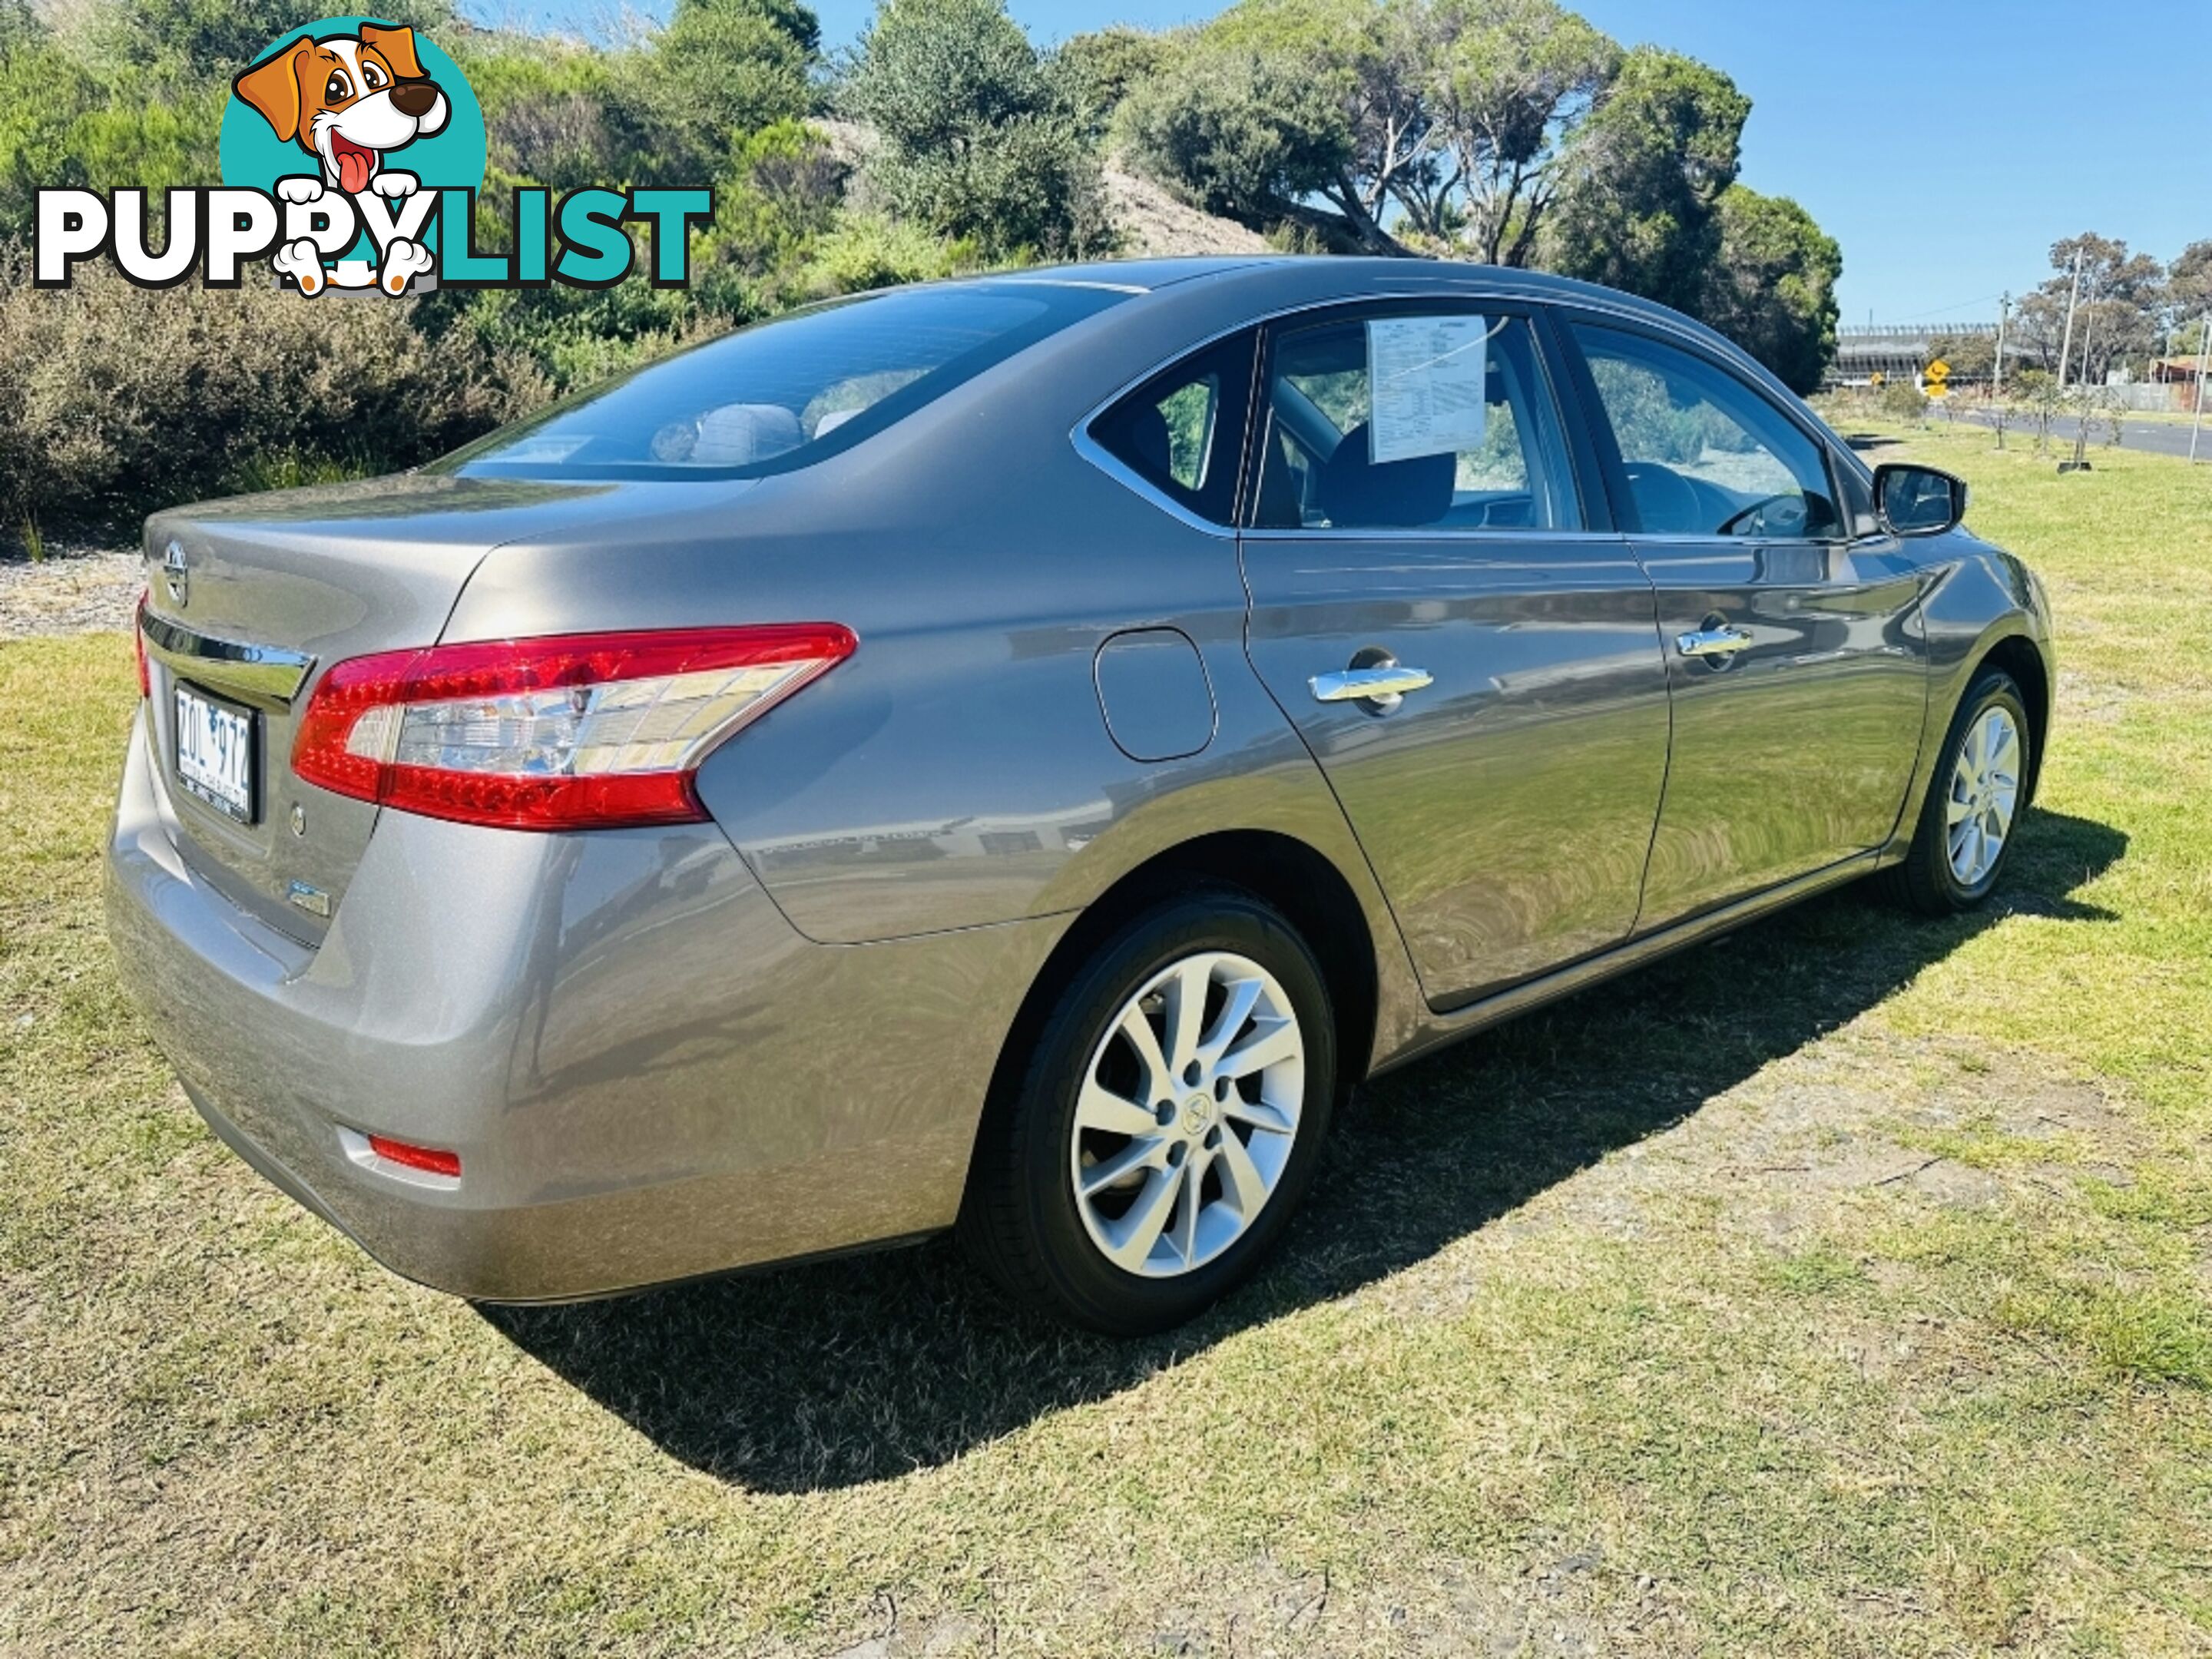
[578, 732]
[416, 1158]
[138, 644]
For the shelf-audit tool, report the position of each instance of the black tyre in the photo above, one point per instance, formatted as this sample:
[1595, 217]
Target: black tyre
[1165, 1121]
[1971, 816]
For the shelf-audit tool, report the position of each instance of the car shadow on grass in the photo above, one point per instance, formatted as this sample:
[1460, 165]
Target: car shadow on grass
[835, 1373]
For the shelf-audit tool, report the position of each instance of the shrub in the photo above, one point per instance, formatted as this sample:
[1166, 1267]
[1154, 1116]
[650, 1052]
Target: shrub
[976, 140]
[1901, 400]
[1033, 188]
[115, 401]
[216, 38]
[1092, 74]
[867, 251]
[720, 70]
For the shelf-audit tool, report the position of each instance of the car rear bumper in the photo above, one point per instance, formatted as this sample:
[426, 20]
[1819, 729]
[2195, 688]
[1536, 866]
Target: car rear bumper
[647, 1073]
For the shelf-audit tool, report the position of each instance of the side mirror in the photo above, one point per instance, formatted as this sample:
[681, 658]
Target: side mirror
[1918, 501]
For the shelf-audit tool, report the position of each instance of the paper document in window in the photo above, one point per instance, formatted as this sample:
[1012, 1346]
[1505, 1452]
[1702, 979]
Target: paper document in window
[1426, 377]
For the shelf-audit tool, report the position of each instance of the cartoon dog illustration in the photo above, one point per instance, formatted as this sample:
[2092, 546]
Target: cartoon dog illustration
[350, 100]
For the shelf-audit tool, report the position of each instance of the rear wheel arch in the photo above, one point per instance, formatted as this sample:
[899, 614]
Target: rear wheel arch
[1312, 893]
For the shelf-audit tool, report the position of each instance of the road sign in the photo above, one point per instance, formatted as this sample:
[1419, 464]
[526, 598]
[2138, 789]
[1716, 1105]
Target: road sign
[1936, 379]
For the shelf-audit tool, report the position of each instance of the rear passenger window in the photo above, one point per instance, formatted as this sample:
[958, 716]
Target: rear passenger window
[1401, 420]
[1182, 431]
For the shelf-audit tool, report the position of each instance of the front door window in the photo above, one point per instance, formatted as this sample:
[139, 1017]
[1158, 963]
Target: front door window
[1705, 455]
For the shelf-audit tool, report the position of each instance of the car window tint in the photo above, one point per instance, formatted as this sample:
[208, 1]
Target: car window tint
[1705, 454]
[1466, 436]
[783, 394]
[1182, 430]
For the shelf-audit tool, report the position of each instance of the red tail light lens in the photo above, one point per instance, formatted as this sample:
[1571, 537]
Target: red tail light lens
[579, 731]
[138, 645]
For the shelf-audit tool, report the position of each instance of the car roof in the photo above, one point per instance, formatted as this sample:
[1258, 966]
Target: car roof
[1258, 285]
[1268, 281]
[1349, 271]
[1138, 276]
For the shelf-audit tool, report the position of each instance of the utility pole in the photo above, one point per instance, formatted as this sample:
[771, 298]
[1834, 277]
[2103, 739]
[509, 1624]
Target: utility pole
[2004, 309]
[2066, 344]
[2204, 355]
[2088, 330]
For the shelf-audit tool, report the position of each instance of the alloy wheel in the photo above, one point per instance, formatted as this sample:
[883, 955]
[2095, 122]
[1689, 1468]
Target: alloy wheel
[1187, 1114]
[1985, 792]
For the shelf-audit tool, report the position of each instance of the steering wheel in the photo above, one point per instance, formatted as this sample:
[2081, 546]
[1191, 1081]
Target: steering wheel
[1752, 521]
[1665, 500]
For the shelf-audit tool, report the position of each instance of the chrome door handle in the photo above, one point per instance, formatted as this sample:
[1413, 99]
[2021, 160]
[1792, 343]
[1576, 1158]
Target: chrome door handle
[1712, 642]
[1384, 684]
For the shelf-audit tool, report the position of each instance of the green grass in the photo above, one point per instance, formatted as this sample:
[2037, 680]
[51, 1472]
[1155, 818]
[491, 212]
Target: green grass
[1844, 1287]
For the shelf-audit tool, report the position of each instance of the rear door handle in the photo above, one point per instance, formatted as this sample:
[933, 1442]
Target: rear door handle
[1384, 684]
[1712, 642]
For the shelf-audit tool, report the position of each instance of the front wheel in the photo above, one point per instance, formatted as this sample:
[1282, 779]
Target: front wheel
[1974, 800]
[1166, 1123]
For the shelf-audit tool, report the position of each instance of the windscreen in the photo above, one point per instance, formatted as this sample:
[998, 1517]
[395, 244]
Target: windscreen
[786, 393]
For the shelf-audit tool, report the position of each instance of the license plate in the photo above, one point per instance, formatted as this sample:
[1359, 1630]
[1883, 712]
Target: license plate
[216, 748]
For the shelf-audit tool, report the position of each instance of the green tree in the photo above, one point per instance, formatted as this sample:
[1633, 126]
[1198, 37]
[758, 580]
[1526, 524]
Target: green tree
[932, 75]
[1970, 356]
[2116, 312]
[1510, 85]
[1244, 134]
[63, 122]
[2189, 284]
[213, 39]
[1094, 74]
[1510, 132]
[546, 106]
[1365, 60]
[1772, 288]
[680, 104]
[2036, 390]
[976, 140]
[1446, 118]
[1639, 207]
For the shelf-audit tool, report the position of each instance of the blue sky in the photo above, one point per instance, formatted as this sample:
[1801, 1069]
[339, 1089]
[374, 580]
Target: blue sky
[1945, 143]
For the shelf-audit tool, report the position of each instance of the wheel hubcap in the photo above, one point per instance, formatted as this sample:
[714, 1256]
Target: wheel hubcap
[1187, 1115]
[1985, 792]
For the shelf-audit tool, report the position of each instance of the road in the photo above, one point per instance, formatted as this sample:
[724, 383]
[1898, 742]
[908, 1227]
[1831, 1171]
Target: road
[2158, 437]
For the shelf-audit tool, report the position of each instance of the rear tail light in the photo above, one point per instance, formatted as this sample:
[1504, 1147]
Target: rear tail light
[580, 732]
[138, 645]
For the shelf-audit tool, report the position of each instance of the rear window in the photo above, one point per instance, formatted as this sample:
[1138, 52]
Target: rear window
[782, 394]
[1182, 431]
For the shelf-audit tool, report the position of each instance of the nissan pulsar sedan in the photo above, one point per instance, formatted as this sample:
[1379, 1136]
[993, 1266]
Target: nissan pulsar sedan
[1009, 754]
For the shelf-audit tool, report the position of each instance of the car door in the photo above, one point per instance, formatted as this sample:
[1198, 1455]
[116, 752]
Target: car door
[1798, 670]
[1468, 650]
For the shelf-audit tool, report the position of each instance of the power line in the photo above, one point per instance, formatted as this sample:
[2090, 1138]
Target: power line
[1945, 311]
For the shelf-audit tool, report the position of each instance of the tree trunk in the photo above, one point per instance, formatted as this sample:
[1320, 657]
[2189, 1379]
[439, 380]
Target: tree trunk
[1366, 229]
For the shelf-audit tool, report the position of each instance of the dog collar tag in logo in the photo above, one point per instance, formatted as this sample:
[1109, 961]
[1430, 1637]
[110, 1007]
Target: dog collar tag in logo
[176, 574]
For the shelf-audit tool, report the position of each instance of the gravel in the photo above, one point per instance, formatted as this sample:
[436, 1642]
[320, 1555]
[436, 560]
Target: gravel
[86, 592]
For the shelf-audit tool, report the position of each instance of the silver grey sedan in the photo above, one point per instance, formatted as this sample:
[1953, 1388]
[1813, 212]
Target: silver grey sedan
[1009, 754]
